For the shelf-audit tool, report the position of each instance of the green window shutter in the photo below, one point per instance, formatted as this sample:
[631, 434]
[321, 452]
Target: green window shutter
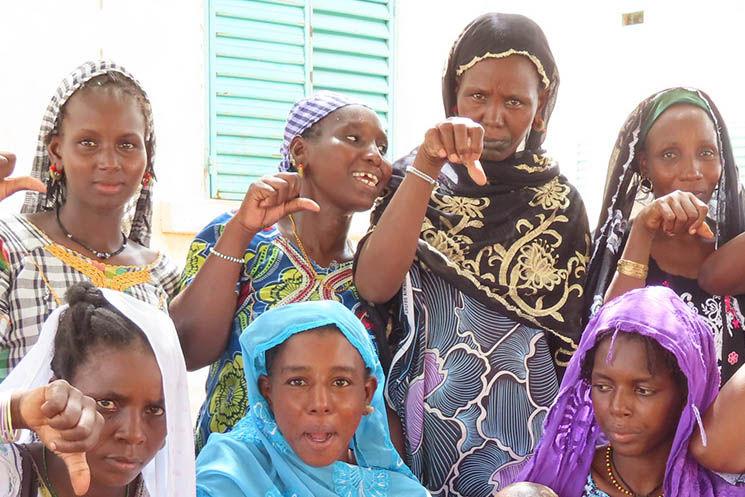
[264, 55]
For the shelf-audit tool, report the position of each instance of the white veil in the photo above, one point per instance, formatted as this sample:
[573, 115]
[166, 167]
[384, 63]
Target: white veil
[171, 472]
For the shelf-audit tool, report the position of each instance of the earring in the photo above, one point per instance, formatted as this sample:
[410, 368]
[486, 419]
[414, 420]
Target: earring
[539, 125]
[645, 185]
[55, 172]
[146, 179]
[301, 170]
[369, 410]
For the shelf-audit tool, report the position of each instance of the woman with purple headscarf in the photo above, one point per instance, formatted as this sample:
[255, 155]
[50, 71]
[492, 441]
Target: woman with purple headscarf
[288, 242]
[628, 405]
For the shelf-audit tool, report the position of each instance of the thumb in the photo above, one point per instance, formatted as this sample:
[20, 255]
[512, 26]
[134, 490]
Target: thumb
[705, 232]
[80, 473]
[301, 204]
[476, 172]
[24, 183]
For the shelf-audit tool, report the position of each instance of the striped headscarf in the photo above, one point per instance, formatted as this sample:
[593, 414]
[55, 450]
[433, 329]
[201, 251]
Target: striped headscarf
[136, 223]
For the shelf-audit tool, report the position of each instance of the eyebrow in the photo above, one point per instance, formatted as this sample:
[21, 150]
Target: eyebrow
[301, 369]
[636, 380]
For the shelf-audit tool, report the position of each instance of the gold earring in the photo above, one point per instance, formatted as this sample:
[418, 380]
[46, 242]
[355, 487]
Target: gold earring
[369, 409]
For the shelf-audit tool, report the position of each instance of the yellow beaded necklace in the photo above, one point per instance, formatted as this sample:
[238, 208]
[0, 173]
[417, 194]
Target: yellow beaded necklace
[609, 466]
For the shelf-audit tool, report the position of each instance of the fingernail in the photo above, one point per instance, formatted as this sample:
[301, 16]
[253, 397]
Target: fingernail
[442, 153]
[453, 158]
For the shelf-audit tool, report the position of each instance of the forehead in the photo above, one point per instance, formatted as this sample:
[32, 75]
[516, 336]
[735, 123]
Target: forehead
[631, 358]
[104, 107]
[351, 115]
[684, 120]
[514, 72]
[130, 371]
[329, 348]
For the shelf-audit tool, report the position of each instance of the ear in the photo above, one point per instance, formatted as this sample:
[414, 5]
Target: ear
[542, 101]
[299, 149]
[53, 149]
[265, 388]
[643, 160]
[371, 384]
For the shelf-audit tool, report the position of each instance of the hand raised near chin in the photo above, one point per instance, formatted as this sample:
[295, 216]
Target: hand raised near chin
[8, 186]
[68, 423]
[458, 140]
[676, 213]
[269, 199]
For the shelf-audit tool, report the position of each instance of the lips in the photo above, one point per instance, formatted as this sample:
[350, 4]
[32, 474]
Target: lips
[368, 179]
[108, 186]
[124, 464]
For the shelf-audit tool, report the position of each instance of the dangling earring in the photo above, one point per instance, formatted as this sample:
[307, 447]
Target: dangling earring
[645, 185]
[539, 125]
[55, 173]
[300, 168]
[146, 179]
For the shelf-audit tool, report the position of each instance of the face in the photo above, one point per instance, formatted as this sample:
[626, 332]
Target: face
[131, 402]
[345, 163]
[504, 96]
[682, 153]
[637, 410]
[318, 399]
[101, 148]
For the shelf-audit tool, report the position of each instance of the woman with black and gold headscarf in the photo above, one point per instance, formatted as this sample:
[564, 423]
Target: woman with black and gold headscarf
[483, 268]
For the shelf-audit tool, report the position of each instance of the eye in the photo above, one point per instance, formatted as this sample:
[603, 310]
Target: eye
[106, 404]
[383, 148]
[127, 146]
[352, 138]
[87, 143]
[342, 382]
[296, 382]
[479, 96]
[644, 391]
[601, 387]
[156, 410]
[669, 154]
[708, 153]
[513, 102]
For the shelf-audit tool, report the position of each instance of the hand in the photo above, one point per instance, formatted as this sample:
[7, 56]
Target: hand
[676, 213]
[8, 186]
[68, 423]
[458, 140]
[271, 198]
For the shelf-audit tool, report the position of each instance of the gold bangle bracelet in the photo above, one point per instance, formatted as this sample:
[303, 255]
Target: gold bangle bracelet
[632, 269]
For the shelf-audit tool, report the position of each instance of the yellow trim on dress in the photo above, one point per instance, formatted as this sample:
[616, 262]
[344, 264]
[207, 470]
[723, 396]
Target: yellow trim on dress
[102, 275]
[489, 55]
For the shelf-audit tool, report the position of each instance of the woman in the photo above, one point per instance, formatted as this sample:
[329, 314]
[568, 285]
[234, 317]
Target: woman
[119, 386]
[644, 370]
[675, 147]
[487, 277]
[91, 221]
[287, 243]
[316, 426]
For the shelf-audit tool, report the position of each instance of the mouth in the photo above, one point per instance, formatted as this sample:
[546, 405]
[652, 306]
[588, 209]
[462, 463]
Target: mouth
[368, 179]
[124, 464]
[621, 437]
[319, 438]
[108, 187]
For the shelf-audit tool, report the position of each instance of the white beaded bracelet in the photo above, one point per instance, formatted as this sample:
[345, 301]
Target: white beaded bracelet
[421, 174]
[226, 257]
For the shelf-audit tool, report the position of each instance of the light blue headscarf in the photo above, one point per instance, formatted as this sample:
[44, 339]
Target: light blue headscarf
[254, 459]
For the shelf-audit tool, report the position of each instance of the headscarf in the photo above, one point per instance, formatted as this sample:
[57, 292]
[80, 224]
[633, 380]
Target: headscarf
[622, 191]
[136, 223]
[255, 458]
[571, 433]
[304, 114]
[171, 472]
[520, 243]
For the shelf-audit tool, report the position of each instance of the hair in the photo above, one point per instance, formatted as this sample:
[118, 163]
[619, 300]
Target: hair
[270, 356]
[658, 358]
[90, 322]
[118, 85]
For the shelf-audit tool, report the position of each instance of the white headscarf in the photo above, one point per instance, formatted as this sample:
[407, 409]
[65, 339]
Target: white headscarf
[171, 472]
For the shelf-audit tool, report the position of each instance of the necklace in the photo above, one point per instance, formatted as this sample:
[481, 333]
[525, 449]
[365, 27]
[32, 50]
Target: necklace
[320, 280]
[610, 466]
[48, 482]
[100, 255]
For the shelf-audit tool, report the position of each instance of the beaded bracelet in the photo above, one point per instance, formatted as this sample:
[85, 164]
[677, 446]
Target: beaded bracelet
[226, 257]
[421, 174]
[7, 433]
[632, 269]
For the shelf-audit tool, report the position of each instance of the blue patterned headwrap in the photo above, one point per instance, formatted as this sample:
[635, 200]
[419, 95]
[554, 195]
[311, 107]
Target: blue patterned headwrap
[305, 113]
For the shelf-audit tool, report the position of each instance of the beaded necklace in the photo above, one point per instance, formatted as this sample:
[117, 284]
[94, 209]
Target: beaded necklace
[310, 264]
[100, 255]
[610, 466]
[49, 482]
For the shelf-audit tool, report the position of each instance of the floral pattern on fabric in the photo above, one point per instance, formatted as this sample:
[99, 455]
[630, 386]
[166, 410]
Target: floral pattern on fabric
[351, 481]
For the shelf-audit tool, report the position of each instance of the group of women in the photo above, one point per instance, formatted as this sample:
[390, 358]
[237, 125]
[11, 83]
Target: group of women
[444, 355]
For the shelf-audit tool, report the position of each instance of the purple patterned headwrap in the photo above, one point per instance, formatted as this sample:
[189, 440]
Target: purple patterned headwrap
[571, 433]
[305, 113]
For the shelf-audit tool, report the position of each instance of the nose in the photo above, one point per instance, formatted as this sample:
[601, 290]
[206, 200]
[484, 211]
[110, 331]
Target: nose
[691, 169]
[132, 427]
[619, 404]
[107, 157]
[320, 400]
[373, 154]
[493, 114]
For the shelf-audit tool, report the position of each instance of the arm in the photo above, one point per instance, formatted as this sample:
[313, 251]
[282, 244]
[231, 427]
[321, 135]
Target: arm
[676, 213]
[725, 448]
[203, 312]
[389, 250]
[723, 272]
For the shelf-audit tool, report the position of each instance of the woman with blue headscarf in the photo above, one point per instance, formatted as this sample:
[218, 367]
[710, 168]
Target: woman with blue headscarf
[316, 423]
[288, 242]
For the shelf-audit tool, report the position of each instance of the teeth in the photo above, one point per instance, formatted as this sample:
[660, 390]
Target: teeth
[366, 178]
[319, 438]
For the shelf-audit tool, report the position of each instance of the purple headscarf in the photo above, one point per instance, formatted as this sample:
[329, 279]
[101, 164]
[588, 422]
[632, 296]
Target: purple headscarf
[571, 433]
[305, 113]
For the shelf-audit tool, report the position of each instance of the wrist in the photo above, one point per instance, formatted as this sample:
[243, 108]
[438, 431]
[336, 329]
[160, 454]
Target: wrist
[428, 166]
[235, 238]
[16, 410]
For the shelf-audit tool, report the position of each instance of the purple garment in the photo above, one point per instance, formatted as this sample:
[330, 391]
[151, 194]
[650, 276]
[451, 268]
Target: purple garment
[571, 433]
[305, 113]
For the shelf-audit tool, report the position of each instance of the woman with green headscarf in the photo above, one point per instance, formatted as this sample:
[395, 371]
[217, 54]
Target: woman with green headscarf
[672, 197]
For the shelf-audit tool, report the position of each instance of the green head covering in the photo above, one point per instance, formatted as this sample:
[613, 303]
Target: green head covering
[666, 100]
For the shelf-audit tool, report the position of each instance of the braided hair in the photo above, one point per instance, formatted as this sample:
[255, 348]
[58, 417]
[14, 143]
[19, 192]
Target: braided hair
[89, 322]
[118, 85]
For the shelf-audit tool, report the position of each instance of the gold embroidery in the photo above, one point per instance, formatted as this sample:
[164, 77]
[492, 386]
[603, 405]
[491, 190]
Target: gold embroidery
[489, 55]
[543, 163]
[119, 282]
[551, 195]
